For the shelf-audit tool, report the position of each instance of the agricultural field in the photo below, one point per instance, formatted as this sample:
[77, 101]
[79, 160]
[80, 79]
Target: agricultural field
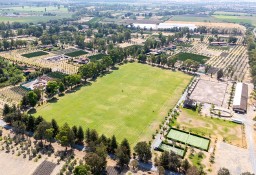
[185, 56]
[12, 95]
[40, 61]
[35, 54]
[33, 14]
[130, 102]
[234, 62]
[233, 19]
[229, 13]
[232, 59]
[76, 53]
[191, 18]
[228, 131]
[217, 18]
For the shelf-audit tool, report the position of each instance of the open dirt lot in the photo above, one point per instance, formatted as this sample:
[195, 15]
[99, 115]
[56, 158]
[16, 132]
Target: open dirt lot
[209, 92]
[227, 156]
[13, 165]
[191, 121]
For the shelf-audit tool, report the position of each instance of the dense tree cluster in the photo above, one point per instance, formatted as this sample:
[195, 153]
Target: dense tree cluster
[10, 73]
[251, 45]
[98, 146]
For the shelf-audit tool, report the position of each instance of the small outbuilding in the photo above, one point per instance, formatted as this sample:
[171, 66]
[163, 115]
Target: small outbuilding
[240, 98]
[218, 44]
[189, 104]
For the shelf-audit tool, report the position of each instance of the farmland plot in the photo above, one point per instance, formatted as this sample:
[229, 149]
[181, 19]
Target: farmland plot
[234, 64]
[40, 61]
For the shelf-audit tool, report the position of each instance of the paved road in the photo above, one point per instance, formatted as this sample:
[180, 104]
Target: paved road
[249, 132]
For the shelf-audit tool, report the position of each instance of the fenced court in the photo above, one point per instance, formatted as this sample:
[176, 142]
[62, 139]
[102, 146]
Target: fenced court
[169, 148]
[189, 139]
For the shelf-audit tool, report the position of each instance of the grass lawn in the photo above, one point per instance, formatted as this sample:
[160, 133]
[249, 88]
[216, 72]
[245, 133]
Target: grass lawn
[35, 54]
[130, 102]
[196, 160]
[76, 53]
[182, 56]
[191, 121]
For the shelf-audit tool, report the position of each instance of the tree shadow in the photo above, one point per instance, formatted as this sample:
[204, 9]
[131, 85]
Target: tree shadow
[61, 95]
[32, 111]
[53, 100]
[115, 68]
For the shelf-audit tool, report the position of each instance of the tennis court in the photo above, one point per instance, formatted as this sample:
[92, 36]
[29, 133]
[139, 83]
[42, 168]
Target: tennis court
[189, 139]
[169, 148]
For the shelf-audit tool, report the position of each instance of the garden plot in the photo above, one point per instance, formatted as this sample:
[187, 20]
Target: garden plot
[209, 92]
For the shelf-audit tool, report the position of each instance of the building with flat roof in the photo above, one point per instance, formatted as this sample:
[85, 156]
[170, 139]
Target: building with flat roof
[240, 98]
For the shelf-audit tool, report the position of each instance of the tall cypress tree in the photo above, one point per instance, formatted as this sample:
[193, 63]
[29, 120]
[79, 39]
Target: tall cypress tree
[113, 144]
[55, 127]
[80, 134]
[126, 145]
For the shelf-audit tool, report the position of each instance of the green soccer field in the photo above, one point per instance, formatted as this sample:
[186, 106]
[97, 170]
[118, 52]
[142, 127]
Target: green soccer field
[130, 102]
